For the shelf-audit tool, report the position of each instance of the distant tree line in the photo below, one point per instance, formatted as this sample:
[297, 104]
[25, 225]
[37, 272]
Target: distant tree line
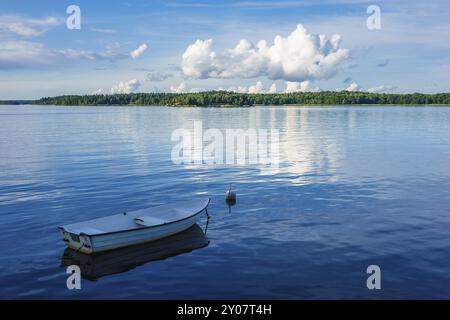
[15, 102]
[224, 98]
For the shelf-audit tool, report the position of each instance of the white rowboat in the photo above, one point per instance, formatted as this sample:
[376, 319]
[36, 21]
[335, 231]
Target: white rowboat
[130, 228]
[98, 265]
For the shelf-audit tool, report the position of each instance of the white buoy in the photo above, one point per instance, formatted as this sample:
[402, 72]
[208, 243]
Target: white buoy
[230, 195]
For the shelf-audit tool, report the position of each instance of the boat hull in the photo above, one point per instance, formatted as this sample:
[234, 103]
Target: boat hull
[98, 265]
[114, 240]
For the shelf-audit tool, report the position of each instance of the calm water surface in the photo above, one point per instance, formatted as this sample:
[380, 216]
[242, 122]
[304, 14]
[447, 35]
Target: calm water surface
[356, 186]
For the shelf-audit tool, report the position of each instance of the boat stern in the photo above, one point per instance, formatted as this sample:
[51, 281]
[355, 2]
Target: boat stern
[79, 242]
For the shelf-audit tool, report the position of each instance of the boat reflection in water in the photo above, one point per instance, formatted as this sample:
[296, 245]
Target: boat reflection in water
[95, 266]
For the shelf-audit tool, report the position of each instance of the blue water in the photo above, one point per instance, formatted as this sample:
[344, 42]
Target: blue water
[357, 186]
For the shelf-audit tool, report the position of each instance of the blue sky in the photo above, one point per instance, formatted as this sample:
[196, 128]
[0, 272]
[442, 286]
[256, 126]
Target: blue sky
[40, 56]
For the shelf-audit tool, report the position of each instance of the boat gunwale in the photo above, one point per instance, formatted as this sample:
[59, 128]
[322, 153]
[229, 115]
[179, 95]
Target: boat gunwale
[143, 228]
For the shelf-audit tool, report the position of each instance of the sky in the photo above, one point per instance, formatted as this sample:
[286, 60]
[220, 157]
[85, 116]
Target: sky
[243, 46]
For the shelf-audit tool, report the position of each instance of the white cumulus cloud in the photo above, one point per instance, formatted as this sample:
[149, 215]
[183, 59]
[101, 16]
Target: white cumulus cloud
[381, 89]
[98, 92]
[353, 87]
[298, 57]
[273, 88]
[256, 88]
[181, 88]
[138, 51]
[304, 86]
[184, 88]
[126, 87]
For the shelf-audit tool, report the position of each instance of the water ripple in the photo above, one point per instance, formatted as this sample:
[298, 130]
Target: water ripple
[356, 186]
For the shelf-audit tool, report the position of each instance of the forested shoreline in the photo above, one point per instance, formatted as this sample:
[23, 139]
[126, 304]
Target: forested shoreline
[15, 102]
[226, 98]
